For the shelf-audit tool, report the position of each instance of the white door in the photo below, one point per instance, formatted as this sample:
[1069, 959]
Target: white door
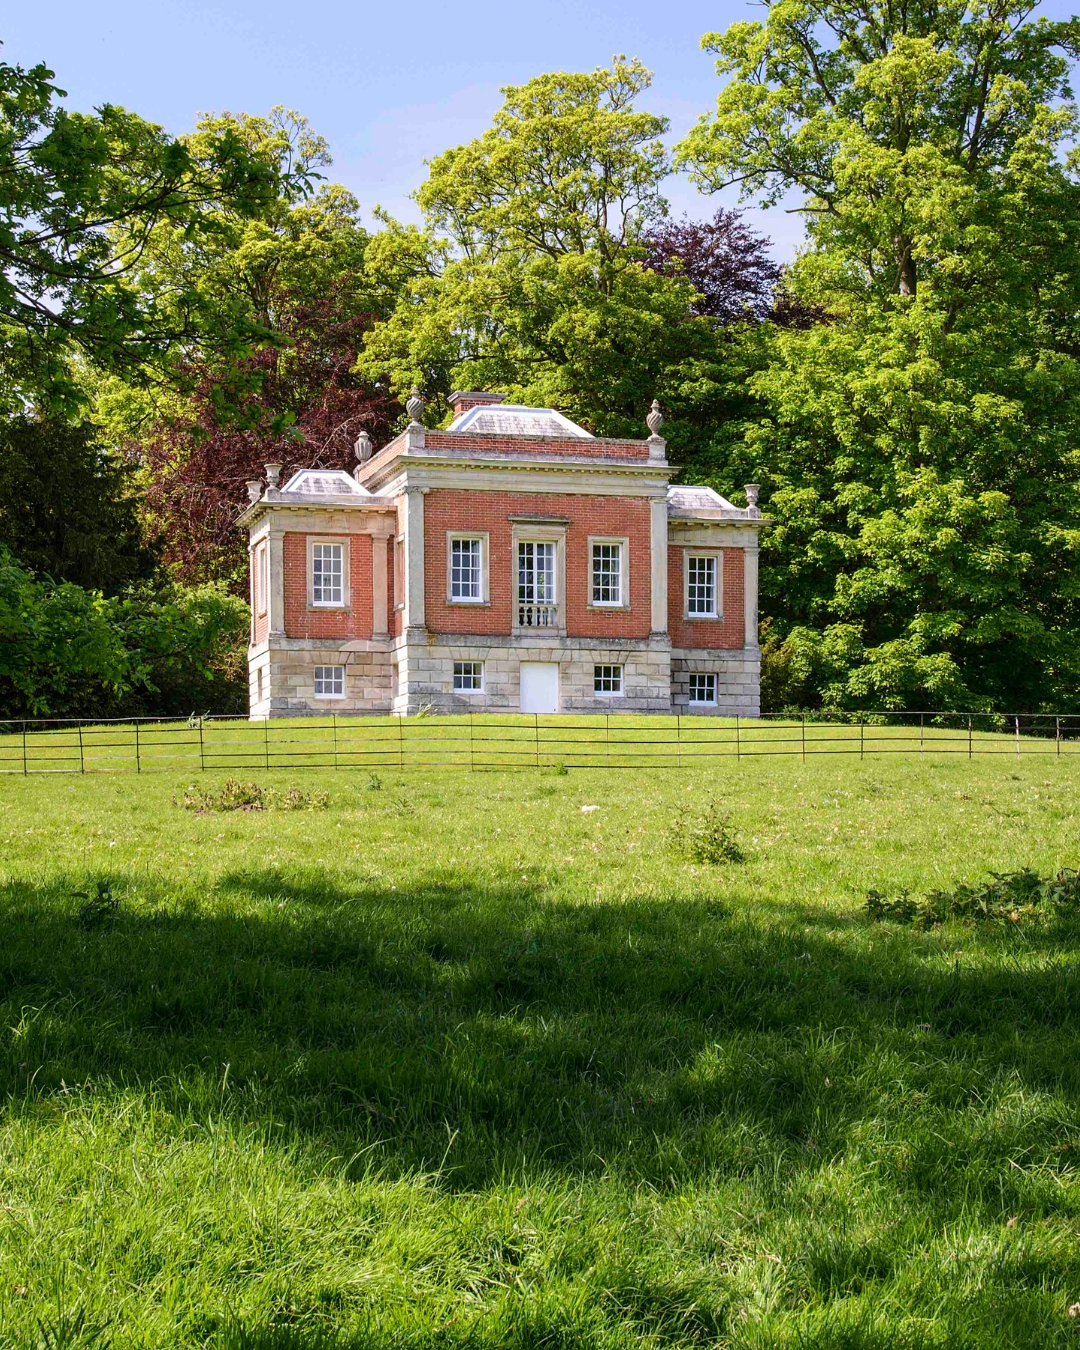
[539, 687]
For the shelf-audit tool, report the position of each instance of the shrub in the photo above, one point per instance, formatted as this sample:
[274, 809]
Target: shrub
[707, 836]
[1007, 896]
[66, 651]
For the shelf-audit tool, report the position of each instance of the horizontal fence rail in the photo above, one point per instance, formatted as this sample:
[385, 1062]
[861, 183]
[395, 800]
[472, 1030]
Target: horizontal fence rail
[486, 741]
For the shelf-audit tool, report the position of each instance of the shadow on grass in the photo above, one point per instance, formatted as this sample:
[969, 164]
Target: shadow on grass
[483, 1032]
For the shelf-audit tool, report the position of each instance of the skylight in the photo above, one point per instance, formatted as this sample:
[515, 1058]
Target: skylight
[324, 483]
[509, 419]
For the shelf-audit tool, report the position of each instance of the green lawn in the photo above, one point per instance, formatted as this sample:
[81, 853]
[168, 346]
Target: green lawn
[456, 1063]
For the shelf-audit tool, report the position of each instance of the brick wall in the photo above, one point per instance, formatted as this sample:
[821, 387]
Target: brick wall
[597, 448]
[727, 632]
[301, 621]
[452, 510]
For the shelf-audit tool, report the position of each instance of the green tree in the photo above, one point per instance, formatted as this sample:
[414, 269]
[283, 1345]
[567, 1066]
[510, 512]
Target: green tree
[67, 506]
[530, 273]
[67, 651]
[296, 272]
[919, 445]
[82, 194]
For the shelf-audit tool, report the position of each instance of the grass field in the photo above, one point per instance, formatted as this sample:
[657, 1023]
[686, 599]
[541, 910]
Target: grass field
[454, 1063]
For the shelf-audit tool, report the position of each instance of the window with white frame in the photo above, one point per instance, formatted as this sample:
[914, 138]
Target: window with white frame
[329, 681]
[328, 574]
[468, 677]
[607, 679]
[466, 569]
[260, 579]
[607, 573]
[536, 584]
[702, 591]
[703, 689]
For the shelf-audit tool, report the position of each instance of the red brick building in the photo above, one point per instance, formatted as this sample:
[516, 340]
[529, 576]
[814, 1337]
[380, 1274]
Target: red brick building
[510, 562]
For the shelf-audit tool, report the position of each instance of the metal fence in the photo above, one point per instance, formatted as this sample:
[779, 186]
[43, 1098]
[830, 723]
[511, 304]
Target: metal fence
[511, 741]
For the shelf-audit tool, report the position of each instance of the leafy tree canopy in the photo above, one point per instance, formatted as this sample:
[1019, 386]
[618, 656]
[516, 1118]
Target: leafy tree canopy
[530, 275]
[83, 195]
[920, 445]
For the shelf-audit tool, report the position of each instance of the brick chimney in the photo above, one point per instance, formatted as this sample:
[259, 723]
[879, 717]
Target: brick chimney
[473, 398]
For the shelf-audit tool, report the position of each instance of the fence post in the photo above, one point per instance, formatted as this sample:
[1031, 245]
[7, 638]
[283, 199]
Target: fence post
[202, 756]
[1057, 733]
[804, 738]
[400, 743]
[738, 743]
[24, 769]
[862, 736]
[536, 737]
[472, 752]
[333, 718]
[607, 739]
[82, 761]
[678, 740]
[969, 735]
[266, 742]
[922, 721]
[1016, 719]
[138, 760]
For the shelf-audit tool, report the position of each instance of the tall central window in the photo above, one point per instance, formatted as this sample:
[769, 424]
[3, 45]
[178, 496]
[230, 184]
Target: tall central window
[701, 587]
[536, 584]
[328, 574]
[466, 569]
[607, 574]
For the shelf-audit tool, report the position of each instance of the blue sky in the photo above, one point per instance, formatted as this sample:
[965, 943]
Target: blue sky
[388, 84]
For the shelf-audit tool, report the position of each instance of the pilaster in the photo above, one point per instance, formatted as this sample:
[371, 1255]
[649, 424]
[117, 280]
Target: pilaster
[750, 595]
[414, 558]
[658, 555]
[379, 583]
[275, 617]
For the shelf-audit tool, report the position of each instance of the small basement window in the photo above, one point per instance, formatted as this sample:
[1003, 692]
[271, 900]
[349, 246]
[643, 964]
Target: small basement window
[329, 681]
[607, 680]
[703, 689]
[468, 677]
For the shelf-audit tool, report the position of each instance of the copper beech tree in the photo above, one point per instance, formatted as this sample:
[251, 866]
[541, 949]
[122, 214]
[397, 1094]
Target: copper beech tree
[296, 403]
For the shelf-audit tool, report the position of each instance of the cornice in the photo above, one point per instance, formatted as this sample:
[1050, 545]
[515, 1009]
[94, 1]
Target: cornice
[294, 501]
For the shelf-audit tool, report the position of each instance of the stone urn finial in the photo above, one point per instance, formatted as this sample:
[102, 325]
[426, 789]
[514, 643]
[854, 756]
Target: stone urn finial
[655, 419]
[752, 491]
[273, 474]
[254, 488]
[362, 447]
[415, 408]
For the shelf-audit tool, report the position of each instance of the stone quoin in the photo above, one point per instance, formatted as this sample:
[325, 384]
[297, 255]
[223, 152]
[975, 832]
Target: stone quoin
[511, 562]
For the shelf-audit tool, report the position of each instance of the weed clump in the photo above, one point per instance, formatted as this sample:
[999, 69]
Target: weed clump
[99, 905]
[233, 795]
[1008, 897]
[706, 836]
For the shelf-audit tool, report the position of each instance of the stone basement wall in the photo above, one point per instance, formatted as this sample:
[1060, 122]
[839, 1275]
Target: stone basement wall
[368, 681]
[738, 682]
[426, 674]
